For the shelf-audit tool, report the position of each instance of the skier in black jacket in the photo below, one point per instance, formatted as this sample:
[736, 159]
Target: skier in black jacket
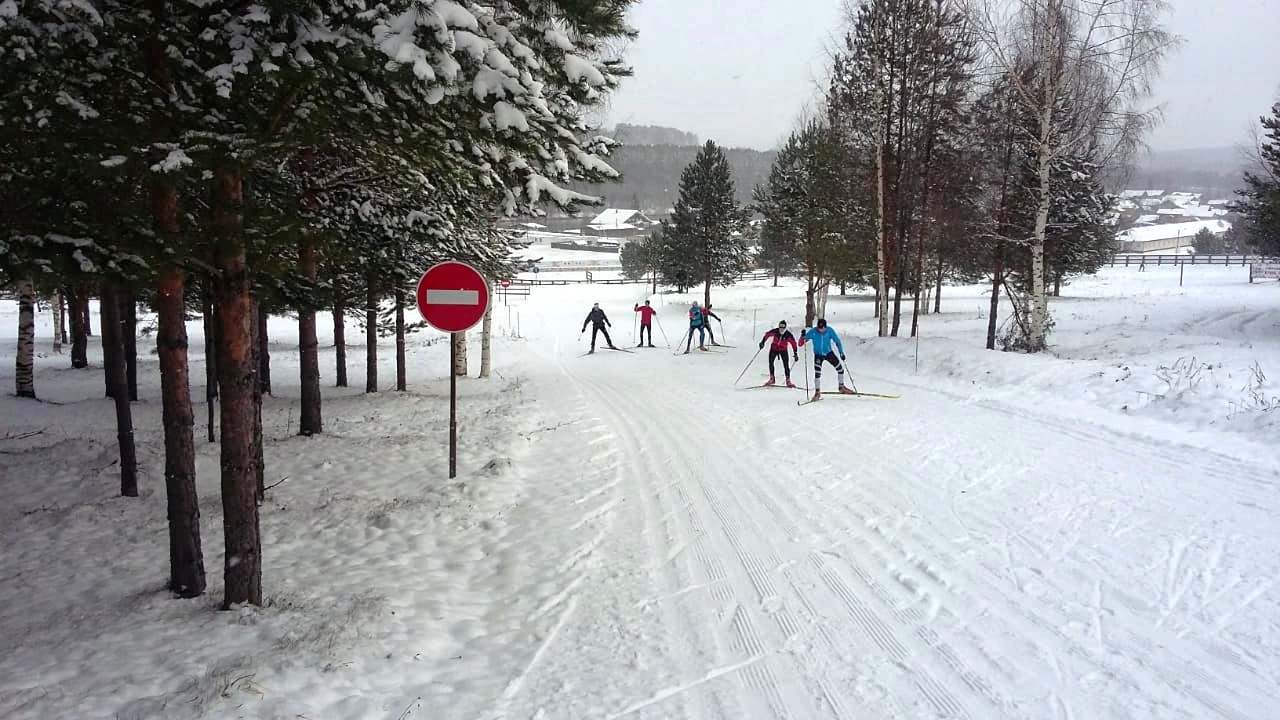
[598, 320]
[708, 314]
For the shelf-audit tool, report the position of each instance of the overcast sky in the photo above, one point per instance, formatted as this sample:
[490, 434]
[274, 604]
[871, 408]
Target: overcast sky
[739, 71]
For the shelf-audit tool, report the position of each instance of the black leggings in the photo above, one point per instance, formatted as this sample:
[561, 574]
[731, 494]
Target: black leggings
[832, 358]
[644, 327]
[599, 329]
[786, 362]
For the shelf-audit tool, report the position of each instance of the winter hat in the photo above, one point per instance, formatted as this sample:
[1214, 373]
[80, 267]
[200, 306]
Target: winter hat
[822, 322]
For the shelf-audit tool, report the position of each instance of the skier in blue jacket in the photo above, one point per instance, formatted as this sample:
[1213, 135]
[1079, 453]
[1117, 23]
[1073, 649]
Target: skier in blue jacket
[823, 338]
[697, 321]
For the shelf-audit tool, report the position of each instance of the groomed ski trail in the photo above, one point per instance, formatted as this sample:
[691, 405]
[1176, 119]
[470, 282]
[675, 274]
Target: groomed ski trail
[929, 556]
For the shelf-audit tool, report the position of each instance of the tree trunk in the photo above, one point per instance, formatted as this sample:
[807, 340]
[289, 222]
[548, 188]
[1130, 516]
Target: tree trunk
[129, 331]
[824, 290]
[88, 313]
[460, 355]
[259, 467]
[339, 336]
[776, 273]
[919, 274]
[210, 357]
[79, 331]
[706, 289]
[118, 387]
[898, 282]
[1037, 324]
[997, 280]
[371, 337]
[62, 318]
[243, 556]
[59, 332]
[1057, 285]
[402, 375]
[186, 558]
[882, 240]
[109, 329]
[937, 297]
[308, 346]
[264, 352]
[810, 301]
[25, 366]
[486, 352]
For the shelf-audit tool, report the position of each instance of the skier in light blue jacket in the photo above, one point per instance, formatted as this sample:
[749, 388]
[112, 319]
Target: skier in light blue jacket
[823, 338]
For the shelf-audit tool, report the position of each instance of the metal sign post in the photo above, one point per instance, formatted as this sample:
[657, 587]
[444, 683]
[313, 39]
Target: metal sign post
[453, 297]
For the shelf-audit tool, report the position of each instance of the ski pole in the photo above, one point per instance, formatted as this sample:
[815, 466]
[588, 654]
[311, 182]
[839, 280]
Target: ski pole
[664, 332]
[686, 335]
[806, 370]
[753, 359]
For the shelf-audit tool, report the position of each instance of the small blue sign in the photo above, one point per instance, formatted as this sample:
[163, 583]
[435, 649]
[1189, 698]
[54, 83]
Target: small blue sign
[535, 270]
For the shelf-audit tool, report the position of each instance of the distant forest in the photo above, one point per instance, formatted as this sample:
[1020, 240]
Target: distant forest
[652, 157]
[1214, 171]
[651, 160]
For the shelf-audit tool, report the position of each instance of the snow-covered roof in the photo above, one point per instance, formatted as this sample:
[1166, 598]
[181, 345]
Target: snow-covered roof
[1141, 193]
[1147, 219]
[1197, 211]
[619, 219]
[1149, 233]
[1219, 201]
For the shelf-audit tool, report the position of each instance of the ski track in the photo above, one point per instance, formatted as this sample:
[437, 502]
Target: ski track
[894, 587]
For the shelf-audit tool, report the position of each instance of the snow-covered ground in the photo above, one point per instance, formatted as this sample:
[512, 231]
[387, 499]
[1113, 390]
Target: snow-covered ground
[1086, 534]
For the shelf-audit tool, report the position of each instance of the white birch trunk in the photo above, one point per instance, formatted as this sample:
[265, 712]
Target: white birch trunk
[56, 306]
[486, 333]
[24, 375]
[1037, 323]
[460, 358]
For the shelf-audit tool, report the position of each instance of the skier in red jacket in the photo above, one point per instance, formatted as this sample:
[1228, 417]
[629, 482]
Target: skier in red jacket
[646, 322]
[781, 337]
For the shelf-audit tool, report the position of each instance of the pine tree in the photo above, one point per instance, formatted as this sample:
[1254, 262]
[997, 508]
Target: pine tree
[807, 209]
[704, 237]
[1207, 243]
[1260, 198]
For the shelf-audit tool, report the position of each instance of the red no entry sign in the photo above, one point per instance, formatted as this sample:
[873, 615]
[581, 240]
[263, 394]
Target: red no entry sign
[452, 296]
[505, 283]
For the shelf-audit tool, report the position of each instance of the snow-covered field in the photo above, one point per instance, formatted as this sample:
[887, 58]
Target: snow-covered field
[1086, 534]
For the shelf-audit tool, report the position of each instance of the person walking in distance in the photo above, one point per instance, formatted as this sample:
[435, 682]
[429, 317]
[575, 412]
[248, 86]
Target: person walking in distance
[697, 321]
[707, 315]
[598, 321]
[779, 338]
[823, 338]
[646, 322]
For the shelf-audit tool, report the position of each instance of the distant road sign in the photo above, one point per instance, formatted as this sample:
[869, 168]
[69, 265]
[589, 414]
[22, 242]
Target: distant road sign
[505, 283]
[536, 270]
[452, 296]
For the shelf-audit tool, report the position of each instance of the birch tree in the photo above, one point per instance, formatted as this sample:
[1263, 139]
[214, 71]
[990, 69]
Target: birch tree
[1093, 60]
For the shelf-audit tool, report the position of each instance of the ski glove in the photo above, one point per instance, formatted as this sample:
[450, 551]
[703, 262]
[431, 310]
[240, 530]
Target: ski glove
[842, 357]
[761, 344]
[795, 357]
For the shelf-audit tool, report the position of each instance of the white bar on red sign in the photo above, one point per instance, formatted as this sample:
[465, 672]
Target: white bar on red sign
[453, 297]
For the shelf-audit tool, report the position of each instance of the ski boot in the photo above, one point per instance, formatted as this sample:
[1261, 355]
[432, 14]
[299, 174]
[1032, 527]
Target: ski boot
[703, 348]
[846, 390]
[791, 384]
[817, 395]
[768, 382]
